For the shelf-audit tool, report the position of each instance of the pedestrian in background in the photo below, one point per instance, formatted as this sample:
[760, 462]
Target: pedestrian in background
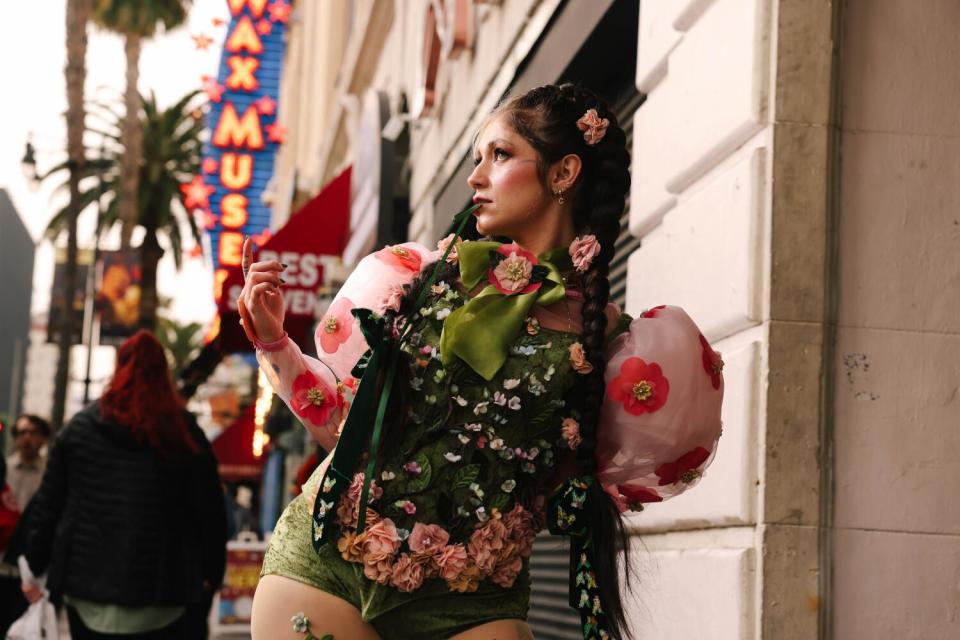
[26, 464]
[129, 521]
[12, 602]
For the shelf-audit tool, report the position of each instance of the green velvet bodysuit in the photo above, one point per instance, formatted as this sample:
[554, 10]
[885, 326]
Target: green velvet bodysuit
[470, 453]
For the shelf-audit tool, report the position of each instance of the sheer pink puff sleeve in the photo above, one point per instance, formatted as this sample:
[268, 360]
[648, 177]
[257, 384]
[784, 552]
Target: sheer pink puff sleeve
[660, 421]
[318, 390]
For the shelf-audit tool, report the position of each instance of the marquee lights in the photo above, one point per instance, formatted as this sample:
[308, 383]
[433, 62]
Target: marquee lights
[244, 135]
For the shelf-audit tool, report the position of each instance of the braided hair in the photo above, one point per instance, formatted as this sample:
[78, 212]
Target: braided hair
[546, 117]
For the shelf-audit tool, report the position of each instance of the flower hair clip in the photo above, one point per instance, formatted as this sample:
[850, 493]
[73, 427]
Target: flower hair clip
[583, 250]
[593, 126]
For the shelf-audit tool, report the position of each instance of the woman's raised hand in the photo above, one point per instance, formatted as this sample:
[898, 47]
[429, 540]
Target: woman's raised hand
[261, 296]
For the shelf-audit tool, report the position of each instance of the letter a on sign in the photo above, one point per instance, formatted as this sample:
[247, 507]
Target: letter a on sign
[244, 36]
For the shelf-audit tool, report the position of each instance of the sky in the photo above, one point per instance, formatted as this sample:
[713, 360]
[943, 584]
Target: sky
[33, 50]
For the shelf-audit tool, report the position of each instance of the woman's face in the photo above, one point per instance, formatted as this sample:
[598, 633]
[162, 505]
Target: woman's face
[506, 182]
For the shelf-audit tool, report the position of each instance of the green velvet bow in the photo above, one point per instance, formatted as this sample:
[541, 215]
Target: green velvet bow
[481, 331]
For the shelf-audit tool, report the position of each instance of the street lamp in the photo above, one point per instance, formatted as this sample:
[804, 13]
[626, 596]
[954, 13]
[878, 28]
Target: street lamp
[29, 165]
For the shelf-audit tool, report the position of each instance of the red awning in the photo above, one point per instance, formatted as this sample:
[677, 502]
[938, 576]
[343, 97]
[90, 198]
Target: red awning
[233, 449]
[321, 227]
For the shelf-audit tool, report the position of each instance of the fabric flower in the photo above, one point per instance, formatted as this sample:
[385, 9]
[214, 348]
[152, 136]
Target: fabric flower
[451, 560]
[392, 298]
[408, 507]
[533, 326]
[380, 572]
[413, 468]
[406, 261]
[639, 387]
[570, 429]
[652, 312]
[508, 567]
[311, 399]
[428, 539]
[468, 580]
[350, 546]
[593, 126]
[583, 250]
[578, 359]
[486, 542]
[712, 363]
[336, 325]
[407, 573]
[512, 275]
[300, 622]
[684, 468]
[523, 529]
[380, 544]
[639, 495]
[442, 245]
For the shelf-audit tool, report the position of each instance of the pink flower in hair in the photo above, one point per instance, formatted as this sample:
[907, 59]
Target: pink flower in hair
[593, 126]
[583, 250]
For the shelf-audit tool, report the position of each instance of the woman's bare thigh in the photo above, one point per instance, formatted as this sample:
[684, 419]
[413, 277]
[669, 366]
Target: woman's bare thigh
[498, 630]
[278, 599]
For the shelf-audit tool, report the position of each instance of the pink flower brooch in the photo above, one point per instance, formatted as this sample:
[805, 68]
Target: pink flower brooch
[515, 270]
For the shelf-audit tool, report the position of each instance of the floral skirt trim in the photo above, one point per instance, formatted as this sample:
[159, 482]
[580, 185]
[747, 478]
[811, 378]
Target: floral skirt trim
[404, 559]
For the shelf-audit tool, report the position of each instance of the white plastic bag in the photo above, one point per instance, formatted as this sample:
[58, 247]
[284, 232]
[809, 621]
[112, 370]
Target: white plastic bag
[39, 621]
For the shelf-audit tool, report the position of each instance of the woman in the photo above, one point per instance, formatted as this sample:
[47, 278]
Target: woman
[487, 379]
[129, 521]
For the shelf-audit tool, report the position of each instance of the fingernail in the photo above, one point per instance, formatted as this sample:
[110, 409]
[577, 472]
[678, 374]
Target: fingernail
[283, 281]
[283, 264]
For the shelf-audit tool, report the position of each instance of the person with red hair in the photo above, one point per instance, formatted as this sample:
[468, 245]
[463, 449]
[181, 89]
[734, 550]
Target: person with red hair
[129, 521]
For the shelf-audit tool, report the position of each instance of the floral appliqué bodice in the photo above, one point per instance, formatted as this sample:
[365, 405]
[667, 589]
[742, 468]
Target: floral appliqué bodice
[457, 495]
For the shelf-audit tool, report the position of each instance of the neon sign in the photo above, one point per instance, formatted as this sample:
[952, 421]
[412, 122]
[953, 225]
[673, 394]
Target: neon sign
[244, 134]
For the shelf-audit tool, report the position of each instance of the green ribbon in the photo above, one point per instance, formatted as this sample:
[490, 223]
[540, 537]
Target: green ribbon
[567, 515]
[481, 331]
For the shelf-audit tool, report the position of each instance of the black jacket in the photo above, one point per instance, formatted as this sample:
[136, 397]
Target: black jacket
[118, 523]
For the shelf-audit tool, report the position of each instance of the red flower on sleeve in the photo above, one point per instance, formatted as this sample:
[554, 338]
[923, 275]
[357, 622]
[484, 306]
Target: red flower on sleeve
[652, 313]
[311, 399]
[639, 495]
[639, 387]
[684, 469]
[400, 258]
[712, 363]
[336, 325]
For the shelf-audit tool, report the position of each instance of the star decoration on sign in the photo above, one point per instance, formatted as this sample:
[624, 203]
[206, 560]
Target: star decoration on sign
[213, 89]
[208, 220]
[266, 105]
[276, 133]
[210, 165]
[280, 11]
[202, 41]
[264, 27]
[261, 239]
[196, 194]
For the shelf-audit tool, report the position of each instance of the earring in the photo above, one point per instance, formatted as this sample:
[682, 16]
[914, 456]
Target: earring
[559, 194]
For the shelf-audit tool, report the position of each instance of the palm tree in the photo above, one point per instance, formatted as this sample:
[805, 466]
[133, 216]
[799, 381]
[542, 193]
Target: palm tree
[135, 20]
[78, 13]
[171, 155]
[182, 341]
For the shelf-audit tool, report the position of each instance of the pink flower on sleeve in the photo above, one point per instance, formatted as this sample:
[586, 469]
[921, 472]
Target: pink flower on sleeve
[336, 325]
[684, 469]
[402, 259]
[639, 387]
[311, 399]
[712, 363]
